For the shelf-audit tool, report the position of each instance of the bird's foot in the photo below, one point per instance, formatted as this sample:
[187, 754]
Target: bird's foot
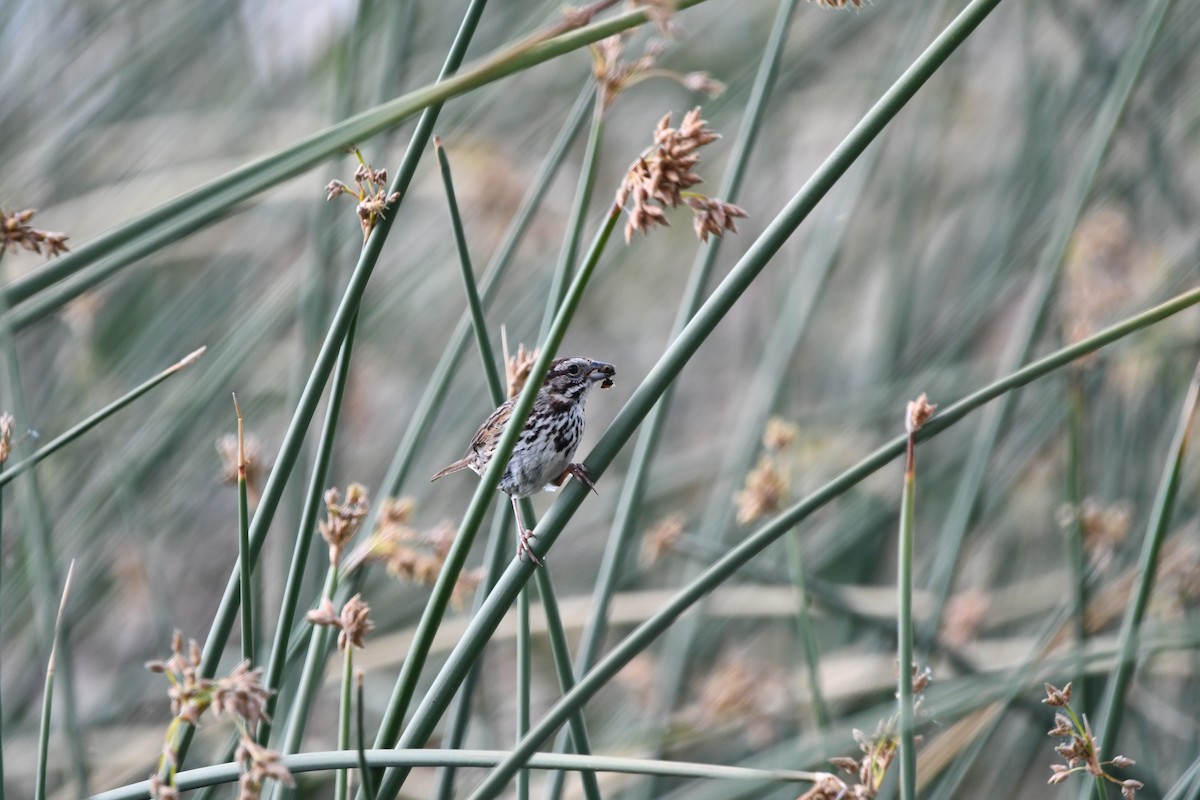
[580, 473]
[524, 549]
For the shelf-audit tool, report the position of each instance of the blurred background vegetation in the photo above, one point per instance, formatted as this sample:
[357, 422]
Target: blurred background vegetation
[931, 267]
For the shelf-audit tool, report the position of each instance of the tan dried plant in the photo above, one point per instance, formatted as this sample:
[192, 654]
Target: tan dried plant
[1080, 752]
[662, 178]
[17, 233]
[370, 190]
[343, 518]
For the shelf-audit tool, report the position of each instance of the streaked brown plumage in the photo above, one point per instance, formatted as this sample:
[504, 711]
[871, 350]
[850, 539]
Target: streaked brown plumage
[542, 455]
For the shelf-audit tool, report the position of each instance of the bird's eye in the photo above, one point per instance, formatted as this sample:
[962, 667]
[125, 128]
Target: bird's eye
[573, 370]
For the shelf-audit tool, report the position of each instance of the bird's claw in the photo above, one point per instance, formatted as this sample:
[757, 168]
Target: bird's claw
[580, 473]
[524, 549]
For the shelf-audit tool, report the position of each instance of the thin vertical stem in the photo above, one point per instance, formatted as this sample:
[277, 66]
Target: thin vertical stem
[904, 627]
[1156, 532]
[574, 234]
[43, 754]
[474, 304]
[341, 788]
[364, 774]
[1076, 492]
[244, 560]
[304, 534]
[805, 631]
[523, 678]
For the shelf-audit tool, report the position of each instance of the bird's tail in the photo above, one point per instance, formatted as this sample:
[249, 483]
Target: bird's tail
[455, 467]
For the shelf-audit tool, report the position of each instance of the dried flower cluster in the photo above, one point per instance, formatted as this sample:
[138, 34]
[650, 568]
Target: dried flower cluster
[17, 234]
[661, 178]
[1080, 751]
[6, 435]
[878, 748]
[1104, 527]
[767, 485]
[370, 189]
[352, 623]
[918, 413]
[343, 519]
[838, 3]
[517, 368]
[410, 554]
[743, 691]
[660, 539]
[240, 695]
[259, 764]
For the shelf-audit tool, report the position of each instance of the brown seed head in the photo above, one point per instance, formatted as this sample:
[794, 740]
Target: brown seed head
[242, 693]
[343, 519]
[6, 435]
[518, 367]
[765, 490]
[354, 623]
[657, 180]
[17, 234]
[660, 539]
[259, 764]
[713, 217]
[1129, 788]
[1057, 697]
[919, 412]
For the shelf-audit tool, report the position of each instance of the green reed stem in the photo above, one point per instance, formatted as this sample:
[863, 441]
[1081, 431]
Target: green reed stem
[306, 532]
[1, 646]
[806, 631]
[460, 716]
[523, 680]
[904, 624]
[43, 753]
[341, 788]
[82, 427]
[578, 221]
[244, 542]
[40, 561]
[364, 773]
[561, 652]
[1156, 532]
[476, 759]
[1076, 493]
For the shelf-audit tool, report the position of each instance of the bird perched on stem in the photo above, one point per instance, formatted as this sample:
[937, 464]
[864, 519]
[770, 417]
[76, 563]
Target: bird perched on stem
[541, 458]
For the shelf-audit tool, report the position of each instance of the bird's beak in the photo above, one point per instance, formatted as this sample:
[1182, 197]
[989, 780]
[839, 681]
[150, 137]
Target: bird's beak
[602, 372]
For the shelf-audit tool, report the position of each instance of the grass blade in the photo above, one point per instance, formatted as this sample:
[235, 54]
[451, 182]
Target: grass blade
[73, 433]
[43, 756]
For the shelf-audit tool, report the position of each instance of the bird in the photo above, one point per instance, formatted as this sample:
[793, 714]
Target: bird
[541, 458]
